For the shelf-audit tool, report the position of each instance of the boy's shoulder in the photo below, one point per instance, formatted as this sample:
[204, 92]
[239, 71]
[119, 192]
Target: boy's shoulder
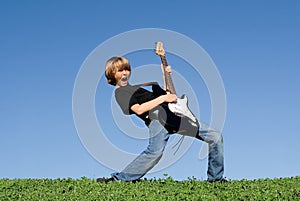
[128, 89]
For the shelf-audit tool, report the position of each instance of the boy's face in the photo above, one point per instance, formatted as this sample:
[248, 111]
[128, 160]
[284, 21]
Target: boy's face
[122, 77]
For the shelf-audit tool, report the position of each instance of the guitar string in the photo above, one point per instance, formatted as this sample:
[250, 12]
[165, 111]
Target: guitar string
[179, 142]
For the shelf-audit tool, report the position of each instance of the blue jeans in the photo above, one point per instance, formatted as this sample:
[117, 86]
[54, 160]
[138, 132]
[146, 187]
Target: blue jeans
[157, 142]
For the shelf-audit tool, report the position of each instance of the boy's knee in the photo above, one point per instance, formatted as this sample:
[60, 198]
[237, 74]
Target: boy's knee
[217, 137]
[154, 153]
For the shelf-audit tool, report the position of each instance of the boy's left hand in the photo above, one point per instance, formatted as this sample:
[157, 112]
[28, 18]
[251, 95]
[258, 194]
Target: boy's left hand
[167, 69]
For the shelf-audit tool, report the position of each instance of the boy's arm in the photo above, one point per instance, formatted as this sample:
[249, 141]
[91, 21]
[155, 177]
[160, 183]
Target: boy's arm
[168, 69]
[147, 106]
[164, 78]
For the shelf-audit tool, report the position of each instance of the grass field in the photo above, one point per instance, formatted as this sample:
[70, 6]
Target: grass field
[85, 189]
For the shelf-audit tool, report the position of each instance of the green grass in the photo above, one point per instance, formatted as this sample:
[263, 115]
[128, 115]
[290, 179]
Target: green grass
[164, 189]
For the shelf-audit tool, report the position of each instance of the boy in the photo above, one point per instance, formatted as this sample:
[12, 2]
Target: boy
[143, 103]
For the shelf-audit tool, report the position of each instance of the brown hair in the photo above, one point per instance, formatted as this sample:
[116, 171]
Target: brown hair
[113, 65]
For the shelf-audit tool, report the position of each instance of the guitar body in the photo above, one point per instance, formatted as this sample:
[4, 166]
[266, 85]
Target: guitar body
[181, 108]
[176, 117]
[176, 123]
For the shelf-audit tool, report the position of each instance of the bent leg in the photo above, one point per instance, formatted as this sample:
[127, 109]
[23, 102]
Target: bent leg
[148, 158]
[215, 156]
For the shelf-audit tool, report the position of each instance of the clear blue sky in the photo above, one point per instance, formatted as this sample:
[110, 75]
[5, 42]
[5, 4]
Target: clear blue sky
[254, 44]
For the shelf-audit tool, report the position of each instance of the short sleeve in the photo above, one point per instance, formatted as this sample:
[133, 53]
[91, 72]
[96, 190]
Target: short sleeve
[157, 90]
[125, 99]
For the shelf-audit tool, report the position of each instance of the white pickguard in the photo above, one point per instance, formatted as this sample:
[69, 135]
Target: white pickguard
[181, 108]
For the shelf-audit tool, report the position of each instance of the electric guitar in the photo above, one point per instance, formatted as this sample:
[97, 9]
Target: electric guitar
[182, 120]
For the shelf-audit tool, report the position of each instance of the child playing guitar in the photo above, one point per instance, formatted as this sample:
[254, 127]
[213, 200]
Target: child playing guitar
[136, 100]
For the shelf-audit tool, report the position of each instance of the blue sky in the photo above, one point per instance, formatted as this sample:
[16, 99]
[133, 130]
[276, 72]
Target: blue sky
[254, 44]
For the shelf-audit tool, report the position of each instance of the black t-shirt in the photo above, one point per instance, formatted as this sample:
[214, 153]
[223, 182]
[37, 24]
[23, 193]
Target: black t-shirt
[127, 96]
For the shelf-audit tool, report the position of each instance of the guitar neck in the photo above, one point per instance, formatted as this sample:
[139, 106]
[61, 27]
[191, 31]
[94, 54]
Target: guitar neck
[168, 79]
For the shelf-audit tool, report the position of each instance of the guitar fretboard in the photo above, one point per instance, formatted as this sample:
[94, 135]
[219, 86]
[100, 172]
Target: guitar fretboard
[168, 78]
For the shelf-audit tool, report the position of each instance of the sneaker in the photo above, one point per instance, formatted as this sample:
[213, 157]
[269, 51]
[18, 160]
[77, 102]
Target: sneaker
[105, 180]
[222, 181]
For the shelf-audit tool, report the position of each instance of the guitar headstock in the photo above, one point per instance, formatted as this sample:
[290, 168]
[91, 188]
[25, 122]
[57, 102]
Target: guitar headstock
[159, 49]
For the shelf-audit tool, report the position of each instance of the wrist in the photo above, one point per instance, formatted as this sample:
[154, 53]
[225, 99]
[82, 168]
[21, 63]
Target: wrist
[163, 98]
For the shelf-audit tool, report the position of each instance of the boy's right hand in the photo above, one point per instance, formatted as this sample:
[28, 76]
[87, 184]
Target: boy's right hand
[170, 98]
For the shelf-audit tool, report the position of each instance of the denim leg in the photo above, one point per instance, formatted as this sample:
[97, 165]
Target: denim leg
[214, 139]
[148, 158]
